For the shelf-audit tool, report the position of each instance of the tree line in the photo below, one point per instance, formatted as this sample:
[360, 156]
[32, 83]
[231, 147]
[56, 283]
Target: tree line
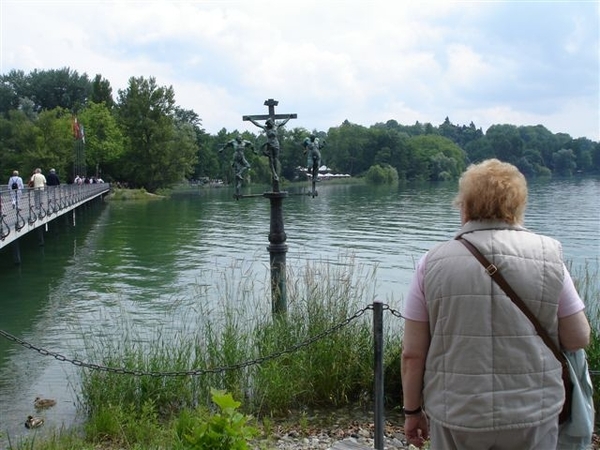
[142, 137]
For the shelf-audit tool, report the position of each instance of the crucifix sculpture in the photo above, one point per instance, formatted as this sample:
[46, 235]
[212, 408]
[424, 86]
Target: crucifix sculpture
[277, 237]
[271, 129]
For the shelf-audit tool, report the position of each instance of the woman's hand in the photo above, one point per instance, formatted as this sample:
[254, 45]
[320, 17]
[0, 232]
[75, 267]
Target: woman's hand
[416, 429]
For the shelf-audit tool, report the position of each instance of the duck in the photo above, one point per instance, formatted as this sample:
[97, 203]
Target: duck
[33, 422]
[43, 403]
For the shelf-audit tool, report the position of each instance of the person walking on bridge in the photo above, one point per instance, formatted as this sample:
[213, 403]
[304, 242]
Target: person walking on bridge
[15, 184]
[52, 179]
[38, 179]
[39, 183]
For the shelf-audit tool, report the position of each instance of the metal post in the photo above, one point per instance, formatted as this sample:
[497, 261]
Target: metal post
[16, 252]
[40, 232]
[378, 372]
[277, 251]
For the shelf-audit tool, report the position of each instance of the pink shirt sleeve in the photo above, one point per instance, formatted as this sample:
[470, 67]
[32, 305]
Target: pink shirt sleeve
[569, 301]
[415, 304]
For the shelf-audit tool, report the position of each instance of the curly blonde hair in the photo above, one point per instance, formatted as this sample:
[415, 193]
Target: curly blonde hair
[492, 190]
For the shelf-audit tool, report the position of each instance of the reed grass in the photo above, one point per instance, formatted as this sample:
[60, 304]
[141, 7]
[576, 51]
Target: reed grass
[587, 282]
[318, 355]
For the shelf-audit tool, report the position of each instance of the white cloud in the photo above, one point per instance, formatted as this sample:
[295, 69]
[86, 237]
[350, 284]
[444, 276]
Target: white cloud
[366, 61]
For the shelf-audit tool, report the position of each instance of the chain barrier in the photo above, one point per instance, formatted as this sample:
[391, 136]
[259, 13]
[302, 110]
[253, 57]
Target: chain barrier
[196, 372]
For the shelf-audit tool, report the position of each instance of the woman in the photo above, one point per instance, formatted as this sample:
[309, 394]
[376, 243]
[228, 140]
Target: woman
[471, 359]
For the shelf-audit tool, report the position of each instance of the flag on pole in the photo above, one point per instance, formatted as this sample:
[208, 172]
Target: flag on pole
[77, 130]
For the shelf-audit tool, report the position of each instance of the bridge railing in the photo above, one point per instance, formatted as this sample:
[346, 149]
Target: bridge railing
[22, 210]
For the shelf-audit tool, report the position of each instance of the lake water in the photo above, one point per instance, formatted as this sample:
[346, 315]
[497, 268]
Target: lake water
[143, 266]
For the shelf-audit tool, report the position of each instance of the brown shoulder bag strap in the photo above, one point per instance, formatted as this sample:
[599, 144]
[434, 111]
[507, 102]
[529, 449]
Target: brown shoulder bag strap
[493, 272]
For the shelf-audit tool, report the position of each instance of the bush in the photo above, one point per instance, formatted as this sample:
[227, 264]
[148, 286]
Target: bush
[385, 174]
[224, 430]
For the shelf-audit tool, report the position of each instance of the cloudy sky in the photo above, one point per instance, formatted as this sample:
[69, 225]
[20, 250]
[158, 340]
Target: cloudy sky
[486, 62]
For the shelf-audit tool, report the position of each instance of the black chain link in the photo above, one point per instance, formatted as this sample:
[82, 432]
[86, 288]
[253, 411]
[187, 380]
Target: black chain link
[197, 372]
[393, 311]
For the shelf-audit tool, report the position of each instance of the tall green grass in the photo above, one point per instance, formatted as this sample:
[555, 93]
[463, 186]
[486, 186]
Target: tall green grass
[587, 281]
[268, 362]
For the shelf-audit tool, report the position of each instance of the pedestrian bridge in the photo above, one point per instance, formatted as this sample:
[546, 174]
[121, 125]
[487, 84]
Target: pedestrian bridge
[24, 210]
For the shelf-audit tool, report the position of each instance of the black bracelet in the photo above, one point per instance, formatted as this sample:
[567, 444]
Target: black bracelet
[412, 412]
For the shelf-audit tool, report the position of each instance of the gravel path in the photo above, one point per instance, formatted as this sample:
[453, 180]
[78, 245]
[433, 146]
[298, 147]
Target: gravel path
[351, 427]
[350, 430]
[326, 441]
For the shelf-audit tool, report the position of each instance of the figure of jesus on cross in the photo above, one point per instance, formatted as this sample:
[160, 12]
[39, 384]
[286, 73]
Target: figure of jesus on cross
[271, 128]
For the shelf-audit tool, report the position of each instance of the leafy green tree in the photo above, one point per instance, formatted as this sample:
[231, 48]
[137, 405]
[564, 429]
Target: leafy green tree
[506, 142]
[207, 162]
[540, 139]
[479, 150]
[583, 149]
[532, 163]
[383, 156]
[400, 157]
[443, 168]
[526, 167]
[54, 142]
[393, 137]
[44, 142]
[28, 107]
[469, 134]
[414, 130]
[389, 147]
[102, 92]
[9, 100]
[13, 87]
[432, 155]
[564, 162]
[292, 152]
[18, 137]
[62, 88]
[159, 149]
[104, 143]
[349, 141]
[181, 155]
[449, 130]
[381, 174]
[596, 157]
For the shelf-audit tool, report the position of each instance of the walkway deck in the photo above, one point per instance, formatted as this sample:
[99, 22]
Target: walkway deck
[22, 211]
